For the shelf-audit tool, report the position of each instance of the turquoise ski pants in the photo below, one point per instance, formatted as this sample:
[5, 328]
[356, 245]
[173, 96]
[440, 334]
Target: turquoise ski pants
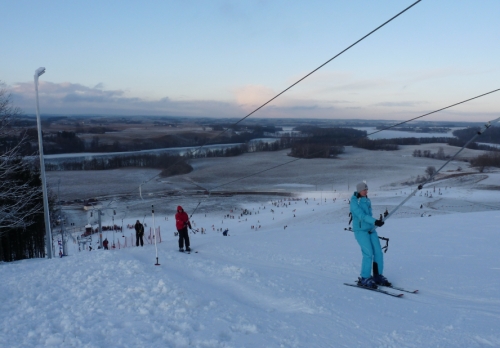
[371, 250]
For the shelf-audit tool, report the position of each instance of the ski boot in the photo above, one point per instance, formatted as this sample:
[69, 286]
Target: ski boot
[381, 280]
[367, 282]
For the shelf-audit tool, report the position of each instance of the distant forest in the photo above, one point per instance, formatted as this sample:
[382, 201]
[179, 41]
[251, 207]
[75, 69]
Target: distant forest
[491, 159]
[323, 142]
[492, 135]
[69, 142]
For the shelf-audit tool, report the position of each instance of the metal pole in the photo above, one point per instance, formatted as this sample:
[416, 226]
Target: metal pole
[100, 228]
[48, 231]
[154, 233]
[64, 236]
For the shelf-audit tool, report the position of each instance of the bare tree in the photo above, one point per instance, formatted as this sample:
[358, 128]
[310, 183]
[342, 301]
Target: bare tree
[430, 171]
[440, 154]
[19, 193]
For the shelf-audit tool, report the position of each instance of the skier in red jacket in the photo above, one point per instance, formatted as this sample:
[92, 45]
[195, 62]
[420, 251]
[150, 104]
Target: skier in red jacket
[182, 223]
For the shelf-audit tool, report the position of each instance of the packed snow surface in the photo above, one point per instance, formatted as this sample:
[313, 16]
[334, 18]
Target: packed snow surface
[278, 284]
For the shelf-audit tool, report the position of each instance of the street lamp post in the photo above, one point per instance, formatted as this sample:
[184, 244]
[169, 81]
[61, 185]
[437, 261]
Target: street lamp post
[48, 233]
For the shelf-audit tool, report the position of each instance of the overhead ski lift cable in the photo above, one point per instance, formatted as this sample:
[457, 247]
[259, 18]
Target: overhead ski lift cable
[345, 144]
[288, 88]
[431, 177]
[398, 124]
[387, 128]
[420, 186]
[433, 112]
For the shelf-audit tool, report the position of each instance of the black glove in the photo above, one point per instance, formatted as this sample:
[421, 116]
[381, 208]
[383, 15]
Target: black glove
[379, 223]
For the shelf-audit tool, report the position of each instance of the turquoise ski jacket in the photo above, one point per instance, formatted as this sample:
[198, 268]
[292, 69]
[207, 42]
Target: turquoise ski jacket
[361, 210]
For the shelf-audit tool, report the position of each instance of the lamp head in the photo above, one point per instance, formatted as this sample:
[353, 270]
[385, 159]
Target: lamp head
[39, 71]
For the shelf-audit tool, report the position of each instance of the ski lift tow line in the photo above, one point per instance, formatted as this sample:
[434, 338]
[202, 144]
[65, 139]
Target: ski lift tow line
[297, 159]
[420, 186]
[367, 135]
[298, 81]
[433, 112]
[206, 198]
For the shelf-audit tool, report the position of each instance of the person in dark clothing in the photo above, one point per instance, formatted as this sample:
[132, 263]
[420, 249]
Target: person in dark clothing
[182, 223]
[139, 233]
[105, 244]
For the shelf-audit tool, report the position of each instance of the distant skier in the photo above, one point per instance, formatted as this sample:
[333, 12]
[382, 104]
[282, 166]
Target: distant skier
[139, 233]
[225, 232]
[363, 225]
[105, 244]
[182, 223]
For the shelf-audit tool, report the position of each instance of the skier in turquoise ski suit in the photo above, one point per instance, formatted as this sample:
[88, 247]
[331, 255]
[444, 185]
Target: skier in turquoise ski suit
[363, 225]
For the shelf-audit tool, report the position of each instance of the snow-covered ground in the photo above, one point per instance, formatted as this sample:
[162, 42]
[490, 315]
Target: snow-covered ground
[277, 285]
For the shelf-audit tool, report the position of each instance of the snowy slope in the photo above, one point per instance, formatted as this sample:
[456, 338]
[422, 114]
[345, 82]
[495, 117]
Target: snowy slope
[270, 287]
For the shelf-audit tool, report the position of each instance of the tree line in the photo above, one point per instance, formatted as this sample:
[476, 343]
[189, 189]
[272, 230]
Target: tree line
[323, 142]
[491, 136]
[22, 234]
[71, 142]
[170, 164]
[491, 159]
[22, 228]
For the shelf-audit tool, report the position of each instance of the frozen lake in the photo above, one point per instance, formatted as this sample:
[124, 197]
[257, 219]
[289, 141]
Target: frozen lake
[64, 157]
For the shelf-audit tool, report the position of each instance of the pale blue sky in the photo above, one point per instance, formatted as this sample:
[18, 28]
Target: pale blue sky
[224, 58]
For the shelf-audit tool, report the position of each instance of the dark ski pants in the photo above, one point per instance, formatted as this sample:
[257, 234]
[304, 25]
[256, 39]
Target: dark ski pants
[138, 239]
[183, 238]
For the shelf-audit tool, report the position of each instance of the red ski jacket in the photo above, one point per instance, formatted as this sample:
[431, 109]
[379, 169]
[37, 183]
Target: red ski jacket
[181, 219]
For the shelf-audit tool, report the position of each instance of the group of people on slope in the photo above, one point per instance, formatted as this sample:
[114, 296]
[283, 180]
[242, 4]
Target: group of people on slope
[363, 225]
[181, 223]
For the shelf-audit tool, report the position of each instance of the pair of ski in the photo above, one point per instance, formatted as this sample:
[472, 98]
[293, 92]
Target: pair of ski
[383, 291]
[187, 252]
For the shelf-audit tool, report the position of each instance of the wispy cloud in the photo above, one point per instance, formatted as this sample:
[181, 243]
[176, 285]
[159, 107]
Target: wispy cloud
[403, 104]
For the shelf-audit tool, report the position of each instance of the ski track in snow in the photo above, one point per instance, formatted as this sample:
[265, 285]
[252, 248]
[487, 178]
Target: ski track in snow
[271, 287]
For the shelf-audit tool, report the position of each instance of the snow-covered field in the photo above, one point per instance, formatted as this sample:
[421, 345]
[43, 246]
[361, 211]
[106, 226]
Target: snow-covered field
[280, 284]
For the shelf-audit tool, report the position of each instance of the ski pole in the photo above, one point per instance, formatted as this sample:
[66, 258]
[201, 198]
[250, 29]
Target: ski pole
[483, 128]
[385, 248]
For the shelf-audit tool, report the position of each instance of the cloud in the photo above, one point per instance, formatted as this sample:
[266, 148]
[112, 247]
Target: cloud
[76, 99]
[400, 104]
[66, 91]
[253, 95]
